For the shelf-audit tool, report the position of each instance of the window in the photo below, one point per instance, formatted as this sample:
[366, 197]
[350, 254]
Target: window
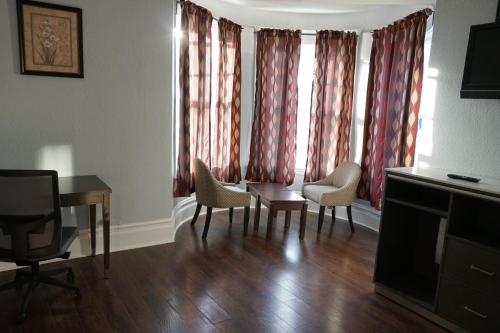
[305, 79]
[214, 80]
[426, 114]
[360, 91]
[177, 90]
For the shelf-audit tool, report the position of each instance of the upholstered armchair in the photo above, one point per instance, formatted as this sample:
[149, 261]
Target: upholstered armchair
[337, 189]
[214, 194]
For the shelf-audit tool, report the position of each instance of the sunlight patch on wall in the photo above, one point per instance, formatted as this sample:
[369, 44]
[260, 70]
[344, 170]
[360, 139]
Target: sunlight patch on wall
[56, 157]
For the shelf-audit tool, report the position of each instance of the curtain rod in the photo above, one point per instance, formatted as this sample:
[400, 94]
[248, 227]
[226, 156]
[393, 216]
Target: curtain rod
[314, 33]
[256, 29]
[218, 18]
[429, 12]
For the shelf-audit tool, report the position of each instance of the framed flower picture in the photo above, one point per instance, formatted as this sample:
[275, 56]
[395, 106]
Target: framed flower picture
[50, 39]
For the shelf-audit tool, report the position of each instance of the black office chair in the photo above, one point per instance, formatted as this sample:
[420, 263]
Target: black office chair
[31, 230]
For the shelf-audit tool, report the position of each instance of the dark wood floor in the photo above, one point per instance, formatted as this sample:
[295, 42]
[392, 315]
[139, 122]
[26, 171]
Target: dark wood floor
[229, 283]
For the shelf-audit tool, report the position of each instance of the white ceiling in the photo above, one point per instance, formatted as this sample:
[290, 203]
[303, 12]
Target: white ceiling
[325, 6]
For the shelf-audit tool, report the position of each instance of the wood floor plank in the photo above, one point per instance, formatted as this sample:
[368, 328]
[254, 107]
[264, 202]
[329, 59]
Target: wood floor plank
[228, 283]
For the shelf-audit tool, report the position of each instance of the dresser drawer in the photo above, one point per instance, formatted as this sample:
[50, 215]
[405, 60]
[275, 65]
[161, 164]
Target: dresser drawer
[476, 312]
[476, 267]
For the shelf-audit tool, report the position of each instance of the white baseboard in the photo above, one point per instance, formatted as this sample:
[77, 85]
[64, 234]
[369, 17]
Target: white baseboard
[361, 214]
[123, 237]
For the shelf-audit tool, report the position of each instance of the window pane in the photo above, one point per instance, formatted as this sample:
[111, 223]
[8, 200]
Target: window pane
[214, 94]
[306, 72]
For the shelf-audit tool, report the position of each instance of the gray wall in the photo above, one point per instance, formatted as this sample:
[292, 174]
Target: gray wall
[115, 123]
[465, 132]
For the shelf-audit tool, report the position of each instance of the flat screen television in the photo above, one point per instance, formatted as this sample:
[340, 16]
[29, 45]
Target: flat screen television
[482, 64]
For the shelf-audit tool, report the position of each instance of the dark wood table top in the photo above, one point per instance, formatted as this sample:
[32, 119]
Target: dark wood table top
[82, 185]
[275, 193]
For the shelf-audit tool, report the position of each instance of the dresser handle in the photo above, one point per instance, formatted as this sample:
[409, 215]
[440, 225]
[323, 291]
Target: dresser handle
[483, 316]
[480, 270]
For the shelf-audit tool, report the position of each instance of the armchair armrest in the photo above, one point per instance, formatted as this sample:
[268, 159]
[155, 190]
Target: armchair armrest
[328, 180]
[225, 197]
[340, 197]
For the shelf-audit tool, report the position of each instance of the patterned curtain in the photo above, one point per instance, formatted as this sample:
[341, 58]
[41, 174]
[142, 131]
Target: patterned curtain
[195, 75]
[331, 107]
[226, 155]
[272, 148]
[392, 102]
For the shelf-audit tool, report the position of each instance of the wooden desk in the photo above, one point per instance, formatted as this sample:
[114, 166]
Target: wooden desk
[277, 197]
[89, 191]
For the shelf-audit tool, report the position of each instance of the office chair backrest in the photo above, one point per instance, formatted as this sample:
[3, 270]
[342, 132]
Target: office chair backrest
[30, 215]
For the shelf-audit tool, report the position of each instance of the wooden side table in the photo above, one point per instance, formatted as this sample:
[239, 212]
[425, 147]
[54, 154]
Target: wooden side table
[277, 197]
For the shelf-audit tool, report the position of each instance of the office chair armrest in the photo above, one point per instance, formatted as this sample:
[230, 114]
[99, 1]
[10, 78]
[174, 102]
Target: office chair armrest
[26, 223]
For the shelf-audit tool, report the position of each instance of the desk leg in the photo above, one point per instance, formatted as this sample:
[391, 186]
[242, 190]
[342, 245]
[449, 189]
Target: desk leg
[303, 218]
[256, 218]
[106, 232]
[270, 219]
[92, 222]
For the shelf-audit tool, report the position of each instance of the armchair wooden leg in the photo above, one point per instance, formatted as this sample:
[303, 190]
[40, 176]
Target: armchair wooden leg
[256, 215]
[270, 220]
[333, 215]
[246, 219]
[231, 210]
[321, 217]
[207, 222]
[196, 213]
[287, 218]
[349, 216]
[303, 219]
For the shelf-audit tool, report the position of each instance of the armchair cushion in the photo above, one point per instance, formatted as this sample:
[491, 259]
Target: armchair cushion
[337, 189]
[315, 192]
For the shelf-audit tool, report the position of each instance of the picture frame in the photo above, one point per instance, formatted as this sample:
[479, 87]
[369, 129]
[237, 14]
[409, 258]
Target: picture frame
[50, 39]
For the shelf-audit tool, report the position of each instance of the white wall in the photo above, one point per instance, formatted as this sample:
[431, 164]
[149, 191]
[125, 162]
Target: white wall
[465, 132]
[116, 122]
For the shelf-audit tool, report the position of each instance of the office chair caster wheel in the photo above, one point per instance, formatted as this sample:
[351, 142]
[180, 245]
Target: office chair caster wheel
[21, 317]
[70, 277]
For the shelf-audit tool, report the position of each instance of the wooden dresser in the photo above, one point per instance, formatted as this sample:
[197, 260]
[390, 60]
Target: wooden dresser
[439, 248]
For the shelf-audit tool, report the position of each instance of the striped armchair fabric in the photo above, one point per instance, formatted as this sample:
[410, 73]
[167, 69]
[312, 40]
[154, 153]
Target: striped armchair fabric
[214, 194]
[337, 189]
